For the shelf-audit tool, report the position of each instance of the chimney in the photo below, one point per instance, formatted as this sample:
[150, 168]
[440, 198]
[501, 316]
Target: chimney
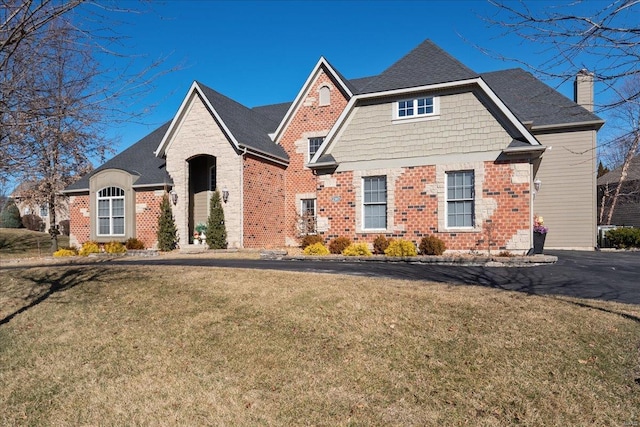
[583, 89]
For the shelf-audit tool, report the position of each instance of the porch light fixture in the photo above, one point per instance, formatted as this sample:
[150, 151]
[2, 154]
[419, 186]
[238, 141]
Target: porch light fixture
[537, 184]
[174, 196]
[225, 194]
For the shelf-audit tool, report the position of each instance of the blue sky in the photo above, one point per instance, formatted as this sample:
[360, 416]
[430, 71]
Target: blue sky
[261, 52]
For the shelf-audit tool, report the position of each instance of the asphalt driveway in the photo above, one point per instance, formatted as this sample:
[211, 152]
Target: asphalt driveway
[609, 276]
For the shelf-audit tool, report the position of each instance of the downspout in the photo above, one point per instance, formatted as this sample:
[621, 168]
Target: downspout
[242, 157]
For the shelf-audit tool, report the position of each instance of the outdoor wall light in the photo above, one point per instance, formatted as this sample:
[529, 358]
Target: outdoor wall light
[174, 196]
[537, 184]
[225, 194]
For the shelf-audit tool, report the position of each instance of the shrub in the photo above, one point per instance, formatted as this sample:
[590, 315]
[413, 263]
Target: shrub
[64, 227]
[431, 245]
[133, 243]
[310, 239]
[32, 222]
[339, 244]
[380, 244]
[167, 231]
[62, 252]
[216, 230]
[316, 249]
[506, 254]
[10, 216]
[401, 248]
[89, 247]
[114, 247]
[357, 249]
[626, 237]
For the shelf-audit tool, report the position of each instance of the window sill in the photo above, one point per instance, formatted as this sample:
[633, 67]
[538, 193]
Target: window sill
[461, 230]
[413, 119]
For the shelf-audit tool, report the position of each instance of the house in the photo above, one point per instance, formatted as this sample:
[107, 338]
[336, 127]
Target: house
[428, 146]
[25, 200]
[627, 209]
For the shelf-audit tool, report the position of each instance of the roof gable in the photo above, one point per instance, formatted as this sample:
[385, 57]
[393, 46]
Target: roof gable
[245, 128]
[427, 64]
[321, 65]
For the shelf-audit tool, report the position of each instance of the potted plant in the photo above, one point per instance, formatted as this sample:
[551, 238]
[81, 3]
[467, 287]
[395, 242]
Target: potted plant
[539, 234]
[196, 238]
[201, 231]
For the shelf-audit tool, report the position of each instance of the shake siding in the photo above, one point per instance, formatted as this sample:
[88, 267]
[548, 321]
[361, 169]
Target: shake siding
[198, 133]
[465, 125]
[567, 199]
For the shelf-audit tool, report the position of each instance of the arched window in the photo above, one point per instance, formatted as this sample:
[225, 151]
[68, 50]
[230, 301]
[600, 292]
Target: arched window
[111, 211]
[325, 96]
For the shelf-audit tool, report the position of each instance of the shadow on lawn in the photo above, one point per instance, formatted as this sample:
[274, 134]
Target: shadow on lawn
[52, 282]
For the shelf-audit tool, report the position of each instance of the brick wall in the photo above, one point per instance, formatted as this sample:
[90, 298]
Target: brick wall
[80, 222]
[309, 120]
[416, 207]
[263, 203]
[147, 213]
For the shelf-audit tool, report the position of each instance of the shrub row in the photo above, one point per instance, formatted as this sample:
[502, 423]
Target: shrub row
[91, 247]
[624, 238]
[429, 245]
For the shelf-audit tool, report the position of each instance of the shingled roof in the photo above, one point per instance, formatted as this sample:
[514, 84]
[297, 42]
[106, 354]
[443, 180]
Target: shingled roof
[612, 177]
[427, 64]
[249, 127]
[139, 159]
[533, 101]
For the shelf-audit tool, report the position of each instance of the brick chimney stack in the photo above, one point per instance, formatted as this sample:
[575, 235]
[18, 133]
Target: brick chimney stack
[583, 89]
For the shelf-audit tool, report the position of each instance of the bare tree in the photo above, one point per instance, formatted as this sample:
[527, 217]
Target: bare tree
[606, 41]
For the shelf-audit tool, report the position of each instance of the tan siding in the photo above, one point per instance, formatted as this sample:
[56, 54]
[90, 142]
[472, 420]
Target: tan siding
[567, 199]
[464, 126]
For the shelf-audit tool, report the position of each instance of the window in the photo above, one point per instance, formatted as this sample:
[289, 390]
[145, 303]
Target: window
[44, 210]
[325, 96]
[375, 202]
[314, 145]
[111, 212]
[418, 107]
[308, 213]
[460, 204]
[212, 178]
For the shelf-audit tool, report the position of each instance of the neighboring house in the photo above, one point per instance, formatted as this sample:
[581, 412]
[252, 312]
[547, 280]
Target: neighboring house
[426, 147]
[627, 209]
[27, 206]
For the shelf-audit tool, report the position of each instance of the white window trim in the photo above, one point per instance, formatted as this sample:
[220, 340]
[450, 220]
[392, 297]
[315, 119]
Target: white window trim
[446, 202]
[416, 117]
[315, 212]
[110, 199]
[386, 203]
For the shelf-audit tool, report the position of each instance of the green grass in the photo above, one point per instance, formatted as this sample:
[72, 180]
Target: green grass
[23, 243]
[104, 344]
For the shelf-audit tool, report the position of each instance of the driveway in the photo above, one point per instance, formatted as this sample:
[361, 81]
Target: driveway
[609, 276]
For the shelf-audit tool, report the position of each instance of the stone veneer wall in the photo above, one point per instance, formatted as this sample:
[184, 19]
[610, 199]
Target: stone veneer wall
[263, 203]
[415, 205]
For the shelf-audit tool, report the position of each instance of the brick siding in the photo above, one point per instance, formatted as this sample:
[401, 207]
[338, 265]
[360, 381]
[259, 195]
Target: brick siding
[147, 213]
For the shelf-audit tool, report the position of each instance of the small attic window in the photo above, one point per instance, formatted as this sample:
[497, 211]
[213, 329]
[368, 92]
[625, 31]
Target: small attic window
[324, 96]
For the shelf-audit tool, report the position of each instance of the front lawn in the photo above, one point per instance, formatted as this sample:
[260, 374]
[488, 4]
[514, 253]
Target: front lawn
[23, 243]
[100, 344]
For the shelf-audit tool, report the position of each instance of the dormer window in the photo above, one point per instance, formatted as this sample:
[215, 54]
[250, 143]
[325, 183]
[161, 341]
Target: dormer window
[324, 96]
[428, 106]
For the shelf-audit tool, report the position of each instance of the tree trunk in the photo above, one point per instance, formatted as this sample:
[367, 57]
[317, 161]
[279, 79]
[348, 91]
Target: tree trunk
[623, 175]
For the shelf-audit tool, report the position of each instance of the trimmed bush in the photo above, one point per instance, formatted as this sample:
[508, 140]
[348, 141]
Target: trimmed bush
[431, 245]
[10, 216]
[357, 249]
[310, 239]
[114, 247]
[89, 247]
[339, 244]
[167, 231]
[32, 222]
[380, 244]
[216, 230]
[63, 252]
[134, 244]
[401, 248]
[623, 238]
[316, 249]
